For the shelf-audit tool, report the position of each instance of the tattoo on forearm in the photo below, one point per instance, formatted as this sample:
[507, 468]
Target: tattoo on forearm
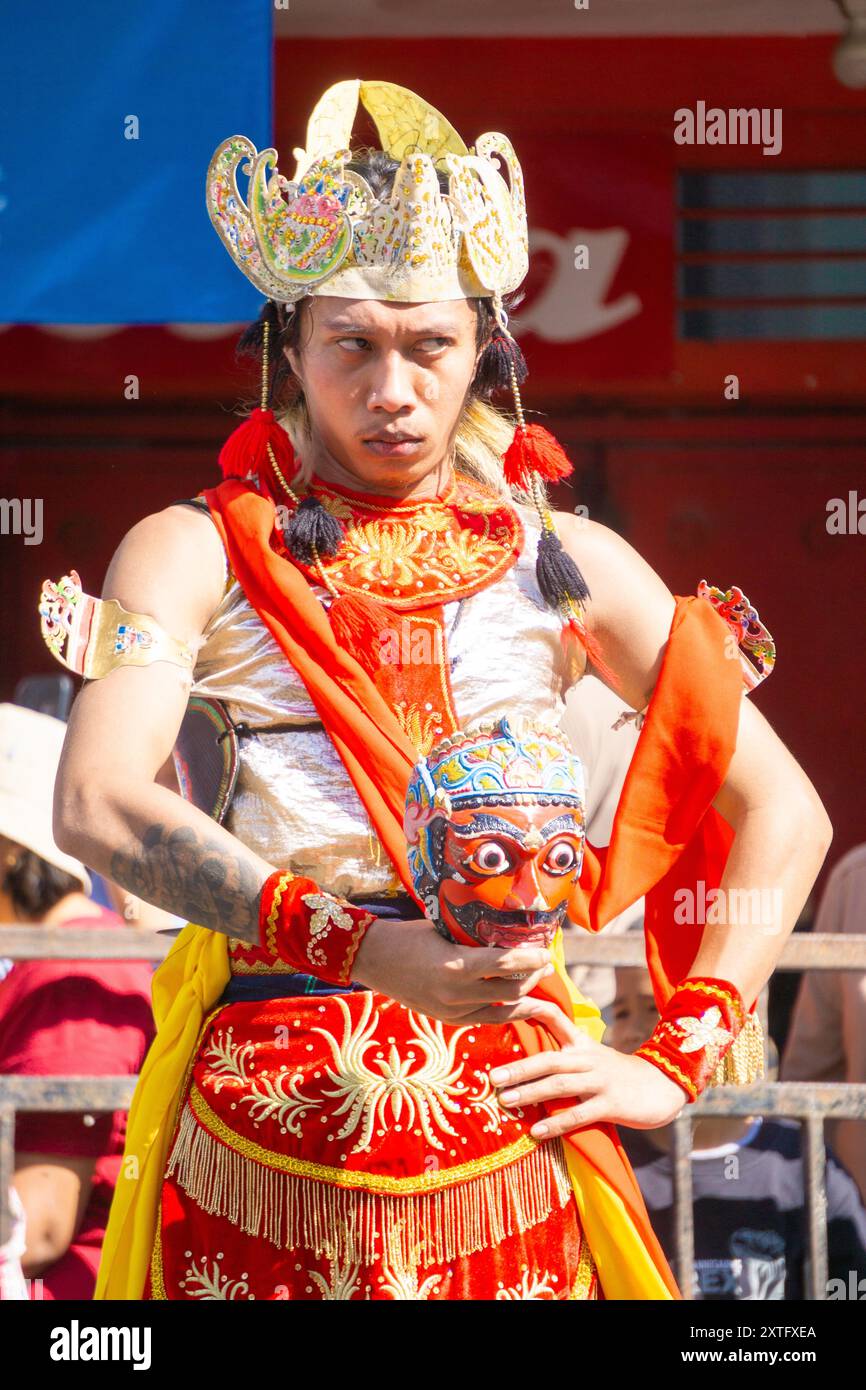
[195, 878]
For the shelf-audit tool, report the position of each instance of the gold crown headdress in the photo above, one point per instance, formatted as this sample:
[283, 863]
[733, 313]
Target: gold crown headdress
[326, 232]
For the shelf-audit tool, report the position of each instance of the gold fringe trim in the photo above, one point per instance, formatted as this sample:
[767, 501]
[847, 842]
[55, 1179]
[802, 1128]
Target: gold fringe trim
[743, 1063]
[351, 1223]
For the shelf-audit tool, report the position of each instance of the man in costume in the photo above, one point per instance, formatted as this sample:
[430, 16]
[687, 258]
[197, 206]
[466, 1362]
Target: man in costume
[340, 1102]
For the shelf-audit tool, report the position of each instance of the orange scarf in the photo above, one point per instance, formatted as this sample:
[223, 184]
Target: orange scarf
[666, 835]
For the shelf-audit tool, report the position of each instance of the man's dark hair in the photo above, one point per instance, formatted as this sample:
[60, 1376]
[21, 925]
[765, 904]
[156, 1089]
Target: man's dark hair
[35, 886]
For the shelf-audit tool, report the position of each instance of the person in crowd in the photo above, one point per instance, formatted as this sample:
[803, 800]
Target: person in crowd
[748, 1185]
[59, 1017]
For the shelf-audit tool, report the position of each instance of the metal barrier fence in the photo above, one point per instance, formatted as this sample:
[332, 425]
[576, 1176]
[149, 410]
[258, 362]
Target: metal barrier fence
[809, 1102]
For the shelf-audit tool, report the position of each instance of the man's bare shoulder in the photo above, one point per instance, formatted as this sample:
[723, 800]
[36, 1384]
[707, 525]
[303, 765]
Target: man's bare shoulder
[627, 594]
[583, 529]
[171, 565]
[600, 552]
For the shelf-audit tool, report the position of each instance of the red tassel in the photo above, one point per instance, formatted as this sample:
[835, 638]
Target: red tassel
[535, 450]
[246, 450]
[359, 625]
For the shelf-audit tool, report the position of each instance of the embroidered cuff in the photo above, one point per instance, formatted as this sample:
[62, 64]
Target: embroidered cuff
[310, 930]
[699, 1026]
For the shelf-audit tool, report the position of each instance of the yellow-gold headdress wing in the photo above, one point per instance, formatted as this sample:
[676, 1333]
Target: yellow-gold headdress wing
[326, 232]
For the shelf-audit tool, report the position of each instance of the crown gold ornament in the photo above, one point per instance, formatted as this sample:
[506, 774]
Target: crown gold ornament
[325, 231]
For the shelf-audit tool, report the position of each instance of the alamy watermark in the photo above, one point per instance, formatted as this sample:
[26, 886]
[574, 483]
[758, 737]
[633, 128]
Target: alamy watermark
[853, 1288]
[739, 125]
[846, 517]
[752, 907]
[22, 516]
[83, 1343]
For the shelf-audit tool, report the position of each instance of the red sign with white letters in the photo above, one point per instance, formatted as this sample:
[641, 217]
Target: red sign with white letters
[600, 293]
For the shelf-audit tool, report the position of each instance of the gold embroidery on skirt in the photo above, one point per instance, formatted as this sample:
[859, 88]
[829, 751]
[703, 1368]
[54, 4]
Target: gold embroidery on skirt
[157, 1273]
[534, 1286]
[585, 1284]
[348, 1177]
[431, 1225]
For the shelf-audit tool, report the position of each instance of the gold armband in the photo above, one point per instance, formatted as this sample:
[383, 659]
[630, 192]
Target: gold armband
[92, 635]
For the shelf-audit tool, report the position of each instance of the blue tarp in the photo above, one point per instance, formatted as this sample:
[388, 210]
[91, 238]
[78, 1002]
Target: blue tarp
[96, 227]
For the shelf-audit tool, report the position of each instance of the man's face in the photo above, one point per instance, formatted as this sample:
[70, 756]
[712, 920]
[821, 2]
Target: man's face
[519, 865]
[372, 368]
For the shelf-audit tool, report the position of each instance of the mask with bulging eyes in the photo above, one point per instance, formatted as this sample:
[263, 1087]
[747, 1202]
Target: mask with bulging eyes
[495, 829]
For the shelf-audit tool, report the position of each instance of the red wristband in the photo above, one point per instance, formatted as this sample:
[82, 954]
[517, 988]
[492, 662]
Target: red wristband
[698, 1027]
[313, 931]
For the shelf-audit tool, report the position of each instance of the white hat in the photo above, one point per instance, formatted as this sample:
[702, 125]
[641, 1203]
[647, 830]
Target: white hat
[30, 745]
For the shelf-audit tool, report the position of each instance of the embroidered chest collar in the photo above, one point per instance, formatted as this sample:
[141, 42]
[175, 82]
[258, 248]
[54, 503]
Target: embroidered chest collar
[414, 554]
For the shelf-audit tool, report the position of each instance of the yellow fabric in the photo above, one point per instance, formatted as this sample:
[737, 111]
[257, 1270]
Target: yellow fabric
[185, 988]
[625, 1267]
[585, 1012]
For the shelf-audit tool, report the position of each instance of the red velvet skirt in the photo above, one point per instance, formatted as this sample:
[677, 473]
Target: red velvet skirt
[344, 1147]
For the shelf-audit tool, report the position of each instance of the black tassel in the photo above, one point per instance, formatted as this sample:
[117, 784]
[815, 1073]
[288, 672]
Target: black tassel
[509, 352]
[313, 525]
[494, 367]
[557, 574]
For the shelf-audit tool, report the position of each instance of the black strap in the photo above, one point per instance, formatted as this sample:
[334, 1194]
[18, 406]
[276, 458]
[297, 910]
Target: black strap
[198, 502]
[244, 730]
